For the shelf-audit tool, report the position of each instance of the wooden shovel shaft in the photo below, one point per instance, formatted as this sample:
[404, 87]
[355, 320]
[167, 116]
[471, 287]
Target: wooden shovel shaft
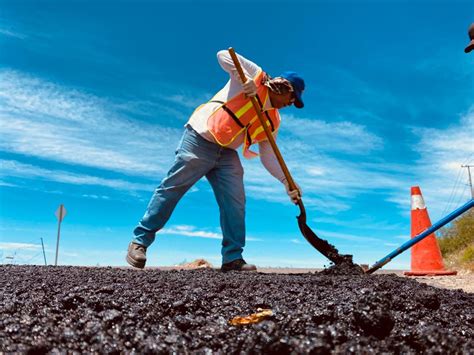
[258, 109]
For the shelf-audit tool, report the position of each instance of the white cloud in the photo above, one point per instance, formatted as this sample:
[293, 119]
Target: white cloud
[185, 100]
[19, 246]
[45, 120]
[69, 254]
[450, 146]
[16, 169]
[3, 183]
[9, 33]
[345, 136]
[441, 154]
[189, 231]
[328, 183]
[192, 231]
[96, 197]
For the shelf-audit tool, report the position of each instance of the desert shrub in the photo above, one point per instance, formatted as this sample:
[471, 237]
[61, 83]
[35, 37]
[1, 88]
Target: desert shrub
[458, 235]
[468, 255]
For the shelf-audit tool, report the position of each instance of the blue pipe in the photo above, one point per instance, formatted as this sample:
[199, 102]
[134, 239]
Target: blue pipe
[421, 236]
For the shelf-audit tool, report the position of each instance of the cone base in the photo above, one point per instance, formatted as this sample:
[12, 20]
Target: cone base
[430, 273]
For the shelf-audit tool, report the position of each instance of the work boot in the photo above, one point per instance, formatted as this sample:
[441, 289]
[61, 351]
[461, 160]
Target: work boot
[136, 255]
[238, 265]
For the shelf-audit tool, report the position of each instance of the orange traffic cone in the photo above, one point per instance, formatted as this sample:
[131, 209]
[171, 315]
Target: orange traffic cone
[426, 257]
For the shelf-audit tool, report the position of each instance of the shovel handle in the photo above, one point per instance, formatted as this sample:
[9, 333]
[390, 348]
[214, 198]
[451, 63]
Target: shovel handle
[258, 109]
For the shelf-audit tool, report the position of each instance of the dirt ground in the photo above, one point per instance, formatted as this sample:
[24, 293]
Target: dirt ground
[461, 281]
[122, 310]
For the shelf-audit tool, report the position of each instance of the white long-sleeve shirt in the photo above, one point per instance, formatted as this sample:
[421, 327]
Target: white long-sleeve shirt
[198, 120]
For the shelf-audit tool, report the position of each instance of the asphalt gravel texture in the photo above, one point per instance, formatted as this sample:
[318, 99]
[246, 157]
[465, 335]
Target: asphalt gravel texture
[111, 310]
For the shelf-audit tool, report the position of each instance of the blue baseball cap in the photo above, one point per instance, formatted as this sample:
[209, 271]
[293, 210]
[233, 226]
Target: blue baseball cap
[297, 83]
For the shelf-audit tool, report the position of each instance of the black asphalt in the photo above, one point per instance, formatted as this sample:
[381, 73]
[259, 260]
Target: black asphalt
[110, 310]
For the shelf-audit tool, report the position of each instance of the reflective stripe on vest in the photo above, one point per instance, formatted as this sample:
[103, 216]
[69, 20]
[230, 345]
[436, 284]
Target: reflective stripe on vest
[238, 115]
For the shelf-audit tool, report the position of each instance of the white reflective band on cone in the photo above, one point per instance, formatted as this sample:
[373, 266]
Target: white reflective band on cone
[417, 202]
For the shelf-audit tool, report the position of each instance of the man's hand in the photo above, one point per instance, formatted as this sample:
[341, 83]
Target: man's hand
[294, 195]
[250, 88]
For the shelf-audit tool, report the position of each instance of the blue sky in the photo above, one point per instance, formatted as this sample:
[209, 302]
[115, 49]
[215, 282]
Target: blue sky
[94, 96]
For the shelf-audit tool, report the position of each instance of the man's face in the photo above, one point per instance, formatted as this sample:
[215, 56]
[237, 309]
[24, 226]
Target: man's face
[282, 100]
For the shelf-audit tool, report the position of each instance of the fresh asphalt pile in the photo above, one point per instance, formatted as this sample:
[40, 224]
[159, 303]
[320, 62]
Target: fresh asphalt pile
[66, 309]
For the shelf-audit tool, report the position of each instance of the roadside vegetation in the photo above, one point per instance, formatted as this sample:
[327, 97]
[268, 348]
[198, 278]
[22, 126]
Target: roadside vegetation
[457, 243]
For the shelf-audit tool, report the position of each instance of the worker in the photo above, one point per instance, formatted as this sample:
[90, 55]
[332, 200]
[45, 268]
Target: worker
[208, 148]
[470, 33]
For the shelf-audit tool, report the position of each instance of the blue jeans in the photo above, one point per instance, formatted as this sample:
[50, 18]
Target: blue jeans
[196, 157]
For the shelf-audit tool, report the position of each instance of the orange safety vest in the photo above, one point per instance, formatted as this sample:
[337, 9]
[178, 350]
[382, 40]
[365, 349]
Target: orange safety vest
[238, 115]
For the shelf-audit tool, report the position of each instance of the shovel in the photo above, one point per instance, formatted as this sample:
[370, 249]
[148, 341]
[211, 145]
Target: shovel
[328, 250]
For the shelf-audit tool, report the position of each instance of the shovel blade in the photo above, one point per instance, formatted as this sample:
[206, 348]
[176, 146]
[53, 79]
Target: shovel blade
[321, 245]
